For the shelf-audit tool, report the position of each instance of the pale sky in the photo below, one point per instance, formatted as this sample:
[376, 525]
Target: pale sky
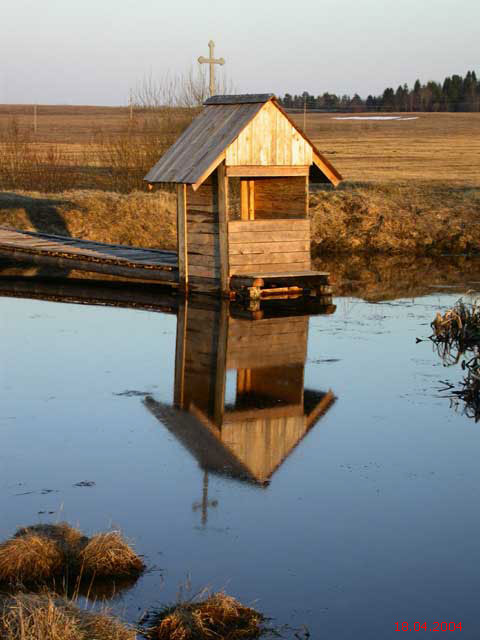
[95, 51]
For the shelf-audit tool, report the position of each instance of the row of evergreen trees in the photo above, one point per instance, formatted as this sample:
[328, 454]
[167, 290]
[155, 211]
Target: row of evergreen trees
[456, 93]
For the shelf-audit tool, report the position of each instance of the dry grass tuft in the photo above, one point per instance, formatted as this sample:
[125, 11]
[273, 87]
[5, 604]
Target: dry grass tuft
[218, 616]
[42, 553]
[458, 327]
[30, 558]
[62, 533]
[456, 335]
[107, 554]
[45, 617]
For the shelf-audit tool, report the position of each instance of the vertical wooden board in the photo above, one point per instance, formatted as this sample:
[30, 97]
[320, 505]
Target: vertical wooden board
[273, 136]
[274, 147]
[180, 350]
[221, 368]
[264, 136]
[244, 199]
[287, 143]
[182, 234]
[280, 151]
[247, 150]
[251, 199]
[222, 186]
[253, 139]
[295, 148]
[231, 154]
[259, 147]
[234, 152]
[308, 153]
[307, 199]
[269, 139]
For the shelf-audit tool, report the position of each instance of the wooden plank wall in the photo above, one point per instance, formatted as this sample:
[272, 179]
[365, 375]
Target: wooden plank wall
[273, 352]
[281, 197]
[200, 350]
[269, 246]
[203, 240]
[262, 444]
[273, 342]
[269, 139]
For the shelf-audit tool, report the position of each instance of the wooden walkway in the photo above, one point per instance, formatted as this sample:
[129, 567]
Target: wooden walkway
[85, 255]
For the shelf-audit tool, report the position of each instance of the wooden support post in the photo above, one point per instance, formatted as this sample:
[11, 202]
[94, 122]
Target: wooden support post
[251, 200]
[180, 350]
[240, 381]
[221, 368]
[222, 181]
[244, 199]
[307, 189]
[182, 235]
[247, 199]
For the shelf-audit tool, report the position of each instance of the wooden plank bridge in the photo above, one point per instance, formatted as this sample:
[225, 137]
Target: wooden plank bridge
[148, 265]
[85, 255]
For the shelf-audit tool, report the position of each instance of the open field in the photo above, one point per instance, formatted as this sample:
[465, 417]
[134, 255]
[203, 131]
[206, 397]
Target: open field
[439, 147]
[411, 186]
[433, 147]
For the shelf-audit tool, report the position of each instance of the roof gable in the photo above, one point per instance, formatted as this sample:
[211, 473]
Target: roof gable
[238, 129]
[269, 139]
[201, 146]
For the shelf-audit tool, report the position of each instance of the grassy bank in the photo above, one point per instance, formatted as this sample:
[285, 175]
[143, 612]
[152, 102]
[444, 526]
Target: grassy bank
[134, 219]
[413, 218]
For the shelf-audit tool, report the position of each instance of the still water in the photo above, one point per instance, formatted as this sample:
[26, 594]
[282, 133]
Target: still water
[307, 465]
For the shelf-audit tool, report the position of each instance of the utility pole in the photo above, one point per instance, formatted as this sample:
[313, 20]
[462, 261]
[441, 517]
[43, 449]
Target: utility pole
[304, 114]
[212, 61]
[130, 105]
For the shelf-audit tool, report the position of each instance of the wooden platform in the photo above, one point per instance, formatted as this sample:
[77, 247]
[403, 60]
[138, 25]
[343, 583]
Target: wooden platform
[153, 265]
[275, 285]
[85, 255]
[145, 296]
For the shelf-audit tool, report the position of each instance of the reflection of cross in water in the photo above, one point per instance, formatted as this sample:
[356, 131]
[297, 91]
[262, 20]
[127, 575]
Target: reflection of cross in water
[205, 503]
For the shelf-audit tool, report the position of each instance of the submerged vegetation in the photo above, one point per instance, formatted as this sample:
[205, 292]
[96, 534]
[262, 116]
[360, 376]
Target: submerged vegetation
[43, 553]
[216, 616]
[456, 335]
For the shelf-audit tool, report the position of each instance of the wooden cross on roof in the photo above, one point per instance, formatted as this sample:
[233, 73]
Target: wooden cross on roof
[212, 61]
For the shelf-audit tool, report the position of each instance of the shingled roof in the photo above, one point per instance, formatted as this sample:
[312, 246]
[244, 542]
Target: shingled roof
[200, 148]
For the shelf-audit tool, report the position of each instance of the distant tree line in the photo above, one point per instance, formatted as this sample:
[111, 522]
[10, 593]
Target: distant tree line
[456, 93]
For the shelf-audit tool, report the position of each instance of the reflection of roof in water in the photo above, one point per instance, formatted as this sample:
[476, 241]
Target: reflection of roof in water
[250, 450]
[205, 447]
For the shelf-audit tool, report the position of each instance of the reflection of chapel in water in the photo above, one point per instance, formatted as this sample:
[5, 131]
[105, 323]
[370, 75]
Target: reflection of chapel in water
[249, 437]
